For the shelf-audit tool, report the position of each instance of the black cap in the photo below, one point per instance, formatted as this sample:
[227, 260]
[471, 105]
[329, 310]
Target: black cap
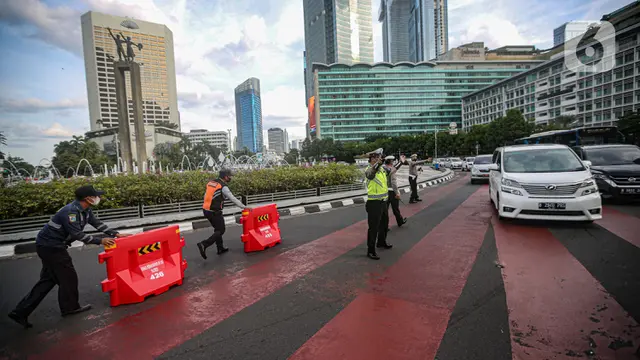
[225, 172]
[86, 191]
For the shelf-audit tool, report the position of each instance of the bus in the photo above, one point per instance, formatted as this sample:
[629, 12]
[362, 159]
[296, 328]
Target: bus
[576, 137]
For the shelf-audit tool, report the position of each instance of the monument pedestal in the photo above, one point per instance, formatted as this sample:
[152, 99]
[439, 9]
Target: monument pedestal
[120, 69]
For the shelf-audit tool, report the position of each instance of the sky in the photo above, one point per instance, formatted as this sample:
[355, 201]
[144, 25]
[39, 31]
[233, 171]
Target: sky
[218, 45]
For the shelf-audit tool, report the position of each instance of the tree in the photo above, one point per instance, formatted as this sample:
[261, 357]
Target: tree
[3, 142]
[68, 155]
[292, 157]
[629, 126]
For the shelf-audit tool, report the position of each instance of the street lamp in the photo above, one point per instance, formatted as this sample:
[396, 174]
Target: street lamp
[229, 140]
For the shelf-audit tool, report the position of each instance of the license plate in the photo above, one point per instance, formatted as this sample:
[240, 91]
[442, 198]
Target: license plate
[630, 191]
[552, 206]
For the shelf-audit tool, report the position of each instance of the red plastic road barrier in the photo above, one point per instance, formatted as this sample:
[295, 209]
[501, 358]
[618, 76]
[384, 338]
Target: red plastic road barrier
[260, 228]
[144, 264]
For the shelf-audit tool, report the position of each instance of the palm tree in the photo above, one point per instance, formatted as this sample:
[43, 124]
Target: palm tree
[3, 141]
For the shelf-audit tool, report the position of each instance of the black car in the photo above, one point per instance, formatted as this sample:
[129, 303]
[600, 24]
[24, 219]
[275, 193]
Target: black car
[616, 169]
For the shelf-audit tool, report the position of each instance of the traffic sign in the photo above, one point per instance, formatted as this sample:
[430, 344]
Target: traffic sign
[259, 157]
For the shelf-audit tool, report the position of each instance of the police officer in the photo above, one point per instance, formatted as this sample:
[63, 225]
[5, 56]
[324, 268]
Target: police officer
[377, 213]
[65, 227]
[394, 192]
[413, 177]
[217, 191]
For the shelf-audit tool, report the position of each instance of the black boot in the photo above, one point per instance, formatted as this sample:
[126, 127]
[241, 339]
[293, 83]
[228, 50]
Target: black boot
[203, 250]
[384, 246]
[20, 320]
[404, 221]
[82, 308]
[222, 250]
[373, 256]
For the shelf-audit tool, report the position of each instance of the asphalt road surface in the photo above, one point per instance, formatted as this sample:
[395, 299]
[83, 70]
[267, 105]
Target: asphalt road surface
[458, 284]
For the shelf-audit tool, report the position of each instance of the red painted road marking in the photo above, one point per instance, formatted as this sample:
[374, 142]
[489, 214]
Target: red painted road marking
[623, 225]
[555, 305]
[405, 314]
[155, 331]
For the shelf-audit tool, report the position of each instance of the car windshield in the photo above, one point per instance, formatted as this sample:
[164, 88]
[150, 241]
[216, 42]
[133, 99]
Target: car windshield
[542, 161]
[456, 159]
[480, 160]
[617, 155]
[470, 159]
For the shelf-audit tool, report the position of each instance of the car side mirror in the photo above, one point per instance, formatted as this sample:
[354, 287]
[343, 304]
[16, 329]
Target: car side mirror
[587, 163]
[494, 167]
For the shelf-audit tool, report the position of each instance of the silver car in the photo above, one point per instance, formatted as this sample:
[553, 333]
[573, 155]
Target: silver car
[480, 168]
[467, 164]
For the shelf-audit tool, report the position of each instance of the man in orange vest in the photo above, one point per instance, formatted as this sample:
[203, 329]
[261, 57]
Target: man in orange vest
[214, 197]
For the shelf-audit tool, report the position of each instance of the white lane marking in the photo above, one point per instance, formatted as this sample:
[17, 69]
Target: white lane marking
[298, 210]
[229, 220]
[131, 231]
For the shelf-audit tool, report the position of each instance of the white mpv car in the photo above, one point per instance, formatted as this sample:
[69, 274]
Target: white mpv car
[545, 182]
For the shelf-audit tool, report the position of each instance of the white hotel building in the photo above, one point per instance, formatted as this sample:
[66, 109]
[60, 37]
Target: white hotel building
[159, 93]
[219, 139]
[550, 89]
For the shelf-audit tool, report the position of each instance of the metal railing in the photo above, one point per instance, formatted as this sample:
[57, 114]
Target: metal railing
[33, 223]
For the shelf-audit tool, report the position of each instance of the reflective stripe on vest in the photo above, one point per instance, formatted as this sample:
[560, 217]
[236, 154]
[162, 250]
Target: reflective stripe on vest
[377, 187]
[214, 190]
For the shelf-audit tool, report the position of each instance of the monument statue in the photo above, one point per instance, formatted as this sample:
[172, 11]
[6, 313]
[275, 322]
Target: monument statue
[118, 40]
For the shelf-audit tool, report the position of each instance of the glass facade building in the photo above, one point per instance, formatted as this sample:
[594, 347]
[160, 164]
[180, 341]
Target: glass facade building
[357, 101]
[249, 115]
[336, 31]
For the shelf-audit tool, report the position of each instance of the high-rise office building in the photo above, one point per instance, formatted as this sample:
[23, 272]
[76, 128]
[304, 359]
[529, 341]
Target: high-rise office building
[568, 31]
[336, 31]
[413, 30]
[156, 59]
[277, 140]
[249, 115]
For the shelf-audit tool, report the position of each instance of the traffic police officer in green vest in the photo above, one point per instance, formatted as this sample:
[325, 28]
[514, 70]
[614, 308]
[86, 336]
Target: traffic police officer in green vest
[377, 212]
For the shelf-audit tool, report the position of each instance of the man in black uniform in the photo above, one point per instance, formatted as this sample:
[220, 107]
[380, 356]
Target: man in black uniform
[65, 227]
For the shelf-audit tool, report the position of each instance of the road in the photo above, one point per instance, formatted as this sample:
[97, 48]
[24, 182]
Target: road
[458, 284]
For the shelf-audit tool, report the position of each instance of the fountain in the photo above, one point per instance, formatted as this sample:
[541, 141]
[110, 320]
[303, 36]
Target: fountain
[85, 168]
[182, 163]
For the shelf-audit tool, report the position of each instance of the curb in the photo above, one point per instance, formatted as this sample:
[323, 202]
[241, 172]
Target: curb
[30, 247]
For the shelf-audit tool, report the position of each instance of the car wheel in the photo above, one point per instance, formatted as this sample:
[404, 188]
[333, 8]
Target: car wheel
[473, 182]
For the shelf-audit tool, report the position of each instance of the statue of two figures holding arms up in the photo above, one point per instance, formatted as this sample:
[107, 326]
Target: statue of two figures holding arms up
[120, 40]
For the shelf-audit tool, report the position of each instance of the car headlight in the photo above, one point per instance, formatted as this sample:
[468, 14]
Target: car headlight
[511, 191]
[587, 183]
[474, 170]
[598, 175]
[510, 183]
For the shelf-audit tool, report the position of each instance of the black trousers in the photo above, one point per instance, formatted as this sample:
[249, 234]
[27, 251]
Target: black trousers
[395, 206]
[378, 218]
[57, 269]
[217, 221]
[413, 183]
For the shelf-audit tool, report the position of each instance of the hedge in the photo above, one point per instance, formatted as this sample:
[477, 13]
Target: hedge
[25, 199]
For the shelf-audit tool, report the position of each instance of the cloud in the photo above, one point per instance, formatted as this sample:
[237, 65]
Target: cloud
[57, 131]
[25, 131]
[57, 26]
[34, 105]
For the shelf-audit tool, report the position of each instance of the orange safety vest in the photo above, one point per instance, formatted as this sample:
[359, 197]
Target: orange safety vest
[213, 199]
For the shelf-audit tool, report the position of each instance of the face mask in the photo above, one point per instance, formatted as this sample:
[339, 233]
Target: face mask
[94, 200]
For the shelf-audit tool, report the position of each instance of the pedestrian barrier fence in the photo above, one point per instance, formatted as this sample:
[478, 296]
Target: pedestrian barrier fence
[33, 223]
[260, 228]
[144, 264]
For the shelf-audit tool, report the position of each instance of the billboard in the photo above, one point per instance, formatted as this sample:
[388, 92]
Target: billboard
[312, 114]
